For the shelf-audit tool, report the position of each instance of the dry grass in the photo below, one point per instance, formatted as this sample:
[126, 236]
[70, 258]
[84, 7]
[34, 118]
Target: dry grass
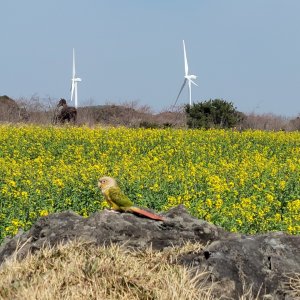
[82, 271]
[292, 285]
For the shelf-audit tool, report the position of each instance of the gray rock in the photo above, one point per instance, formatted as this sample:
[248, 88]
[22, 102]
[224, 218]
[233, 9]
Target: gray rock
[239, 262]
[234, 261]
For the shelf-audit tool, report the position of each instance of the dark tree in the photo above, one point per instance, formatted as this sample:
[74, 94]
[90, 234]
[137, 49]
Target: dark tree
[215, 113]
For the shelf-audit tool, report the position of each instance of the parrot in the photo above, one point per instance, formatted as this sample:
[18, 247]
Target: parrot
[119, 201]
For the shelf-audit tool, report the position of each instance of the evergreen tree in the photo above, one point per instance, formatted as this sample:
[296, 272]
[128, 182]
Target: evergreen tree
[215, 113]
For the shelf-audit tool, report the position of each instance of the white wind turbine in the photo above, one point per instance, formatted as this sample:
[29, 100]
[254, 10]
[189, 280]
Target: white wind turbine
[75, 80]
[187, 78]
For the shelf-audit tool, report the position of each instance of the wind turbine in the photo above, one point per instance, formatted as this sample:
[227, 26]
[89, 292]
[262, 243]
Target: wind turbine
[187, 78]
[75, 80]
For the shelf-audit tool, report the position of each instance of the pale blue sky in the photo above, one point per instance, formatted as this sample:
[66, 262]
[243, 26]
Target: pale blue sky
[247, 52]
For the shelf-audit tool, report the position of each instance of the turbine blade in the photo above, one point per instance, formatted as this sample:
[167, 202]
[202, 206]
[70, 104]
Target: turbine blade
[193, 82]
[73, 73]
[184, 82]
[186, 67]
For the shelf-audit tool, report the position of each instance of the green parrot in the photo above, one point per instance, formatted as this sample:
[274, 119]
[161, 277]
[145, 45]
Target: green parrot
[119, 201]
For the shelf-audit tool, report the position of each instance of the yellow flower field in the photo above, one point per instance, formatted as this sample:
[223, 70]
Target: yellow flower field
[247, 182]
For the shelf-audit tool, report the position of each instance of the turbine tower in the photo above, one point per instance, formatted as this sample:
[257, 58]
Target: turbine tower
[187, 78]
[75, 80]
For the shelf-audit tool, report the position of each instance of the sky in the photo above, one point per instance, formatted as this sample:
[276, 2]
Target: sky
[244, 52]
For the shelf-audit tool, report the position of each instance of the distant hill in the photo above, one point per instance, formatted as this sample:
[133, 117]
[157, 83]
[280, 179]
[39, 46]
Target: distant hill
[7, 102]
[9, 109]
[128, 116]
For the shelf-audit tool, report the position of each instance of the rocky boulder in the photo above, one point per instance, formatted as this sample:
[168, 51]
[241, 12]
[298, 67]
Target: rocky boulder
[10, 111]
[234, 262]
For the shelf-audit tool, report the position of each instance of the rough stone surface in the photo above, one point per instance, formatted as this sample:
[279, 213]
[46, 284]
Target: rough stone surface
[234, 261]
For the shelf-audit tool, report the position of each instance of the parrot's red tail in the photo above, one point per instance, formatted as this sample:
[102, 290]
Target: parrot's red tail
[146, 213]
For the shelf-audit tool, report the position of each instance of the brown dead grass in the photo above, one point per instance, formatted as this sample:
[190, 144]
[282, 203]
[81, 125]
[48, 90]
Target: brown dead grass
[292, 285]
[80, 270]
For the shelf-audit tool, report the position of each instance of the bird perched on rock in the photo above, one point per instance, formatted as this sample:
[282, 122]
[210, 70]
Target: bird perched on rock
[119, 201]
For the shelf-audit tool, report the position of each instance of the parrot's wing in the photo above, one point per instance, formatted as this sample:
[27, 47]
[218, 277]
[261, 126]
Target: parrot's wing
[118, 197]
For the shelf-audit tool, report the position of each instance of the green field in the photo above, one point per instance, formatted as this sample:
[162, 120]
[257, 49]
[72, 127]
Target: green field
[243, 181]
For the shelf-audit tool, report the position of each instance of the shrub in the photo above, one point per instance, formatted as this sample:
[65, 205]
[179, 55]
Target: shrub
[212, 114]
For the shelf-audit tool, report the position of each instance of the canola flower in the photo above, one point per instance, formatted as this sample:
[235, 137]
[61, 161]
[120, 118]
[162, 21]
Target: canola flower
[247, 182]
